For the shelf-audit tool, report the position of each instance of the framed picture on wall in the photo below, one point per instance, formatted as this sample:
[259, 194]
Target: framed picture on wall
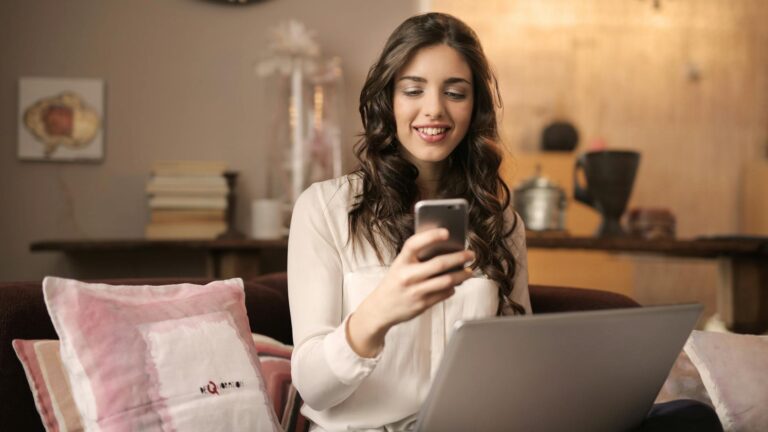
[61, 119]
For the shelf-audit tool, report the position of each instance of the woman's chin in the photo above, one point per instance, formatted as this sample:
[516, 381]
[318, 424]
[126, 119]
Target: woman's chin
[432, 159]
[426, 156]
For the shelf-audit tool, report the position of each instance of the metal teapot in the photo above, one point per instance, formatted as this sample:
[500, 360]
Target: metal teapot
[541, 203]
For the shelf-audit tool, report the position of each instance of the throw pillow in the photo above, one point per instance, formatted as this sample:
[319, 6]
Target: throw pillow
[276, 365]
[733, 369]
[53, 394]
[172, 357]
[49, 384]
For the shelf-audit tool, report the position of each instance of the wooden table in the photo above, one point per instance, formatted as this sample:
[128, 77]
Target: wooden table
[743, 285]
[743, 297]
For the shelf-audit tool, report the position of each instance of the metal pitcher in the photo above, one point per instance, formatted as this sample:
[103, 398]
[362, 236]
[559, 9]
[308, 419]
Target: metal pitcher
[541, 203]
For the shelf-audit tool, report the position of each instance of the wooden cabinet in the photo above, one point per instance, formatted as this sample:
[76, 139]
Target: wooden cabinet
[754, 198]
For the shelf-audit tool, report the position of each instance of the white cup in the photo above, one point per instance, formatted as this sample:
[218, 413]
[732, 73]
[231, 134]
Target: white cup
[267, 219]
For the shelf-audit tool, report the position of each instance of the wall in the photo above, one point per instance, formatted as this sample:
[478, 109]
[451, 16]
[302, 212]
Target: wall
[686, 84]
[179, 85]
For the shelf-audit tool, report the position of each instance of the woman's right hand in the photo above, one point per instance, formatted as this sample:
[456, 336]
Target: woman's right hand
[409, 288]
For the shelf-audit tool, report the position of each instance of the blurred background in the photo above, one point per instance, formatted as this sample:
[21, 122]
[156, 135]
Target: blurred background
[684, 82]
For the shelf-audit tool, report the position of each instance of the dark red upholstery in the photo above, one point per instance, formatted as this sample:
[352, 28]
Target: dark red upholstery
[546, 299]
[23, 316]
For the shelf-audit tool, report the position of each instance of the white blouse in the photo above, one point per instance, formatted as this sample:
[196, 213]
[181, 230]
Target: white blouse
[327, 280]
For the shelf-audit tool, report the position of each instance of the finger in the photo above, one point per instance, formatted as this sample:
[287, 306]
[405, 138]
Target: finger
[419, 241]
[415, 273]
[441, 283]
[443, 263]
[438, 296]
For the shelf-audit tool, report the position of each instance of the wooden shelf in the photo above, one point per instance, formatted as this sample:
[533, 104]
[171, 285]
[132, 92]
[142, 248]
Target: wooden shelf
[743, 303]
[695, 248]
[106, 245]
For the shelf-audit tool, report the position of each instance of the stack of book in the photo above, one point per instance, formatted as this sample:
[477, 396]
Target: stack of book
[187, 200]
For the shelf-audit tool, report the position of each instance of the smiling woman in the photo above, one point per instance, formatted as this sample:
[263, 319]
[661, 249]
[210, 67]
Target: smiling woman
[433, 108]
[354, 277]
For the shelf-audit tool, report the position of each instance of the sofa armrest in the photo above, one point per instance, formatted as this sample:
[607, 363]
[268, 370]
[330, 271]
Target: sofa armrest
[22, 316]
[547, 299]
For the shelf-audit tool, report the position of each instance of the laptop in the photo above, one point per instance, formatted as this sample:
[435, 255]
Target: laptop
[575, 371]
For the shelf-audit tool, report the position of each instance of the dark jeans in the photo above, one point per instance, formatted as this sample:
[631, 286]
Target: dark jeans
[681, 415]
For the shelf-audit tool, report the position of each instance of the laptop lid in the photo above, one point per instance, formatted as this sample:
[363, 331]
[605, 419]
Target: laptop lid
[577, 371]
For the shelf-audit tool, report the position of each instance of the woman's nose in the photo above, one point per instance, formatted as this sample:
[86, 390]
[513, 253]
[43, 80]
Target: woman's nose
[433, 105]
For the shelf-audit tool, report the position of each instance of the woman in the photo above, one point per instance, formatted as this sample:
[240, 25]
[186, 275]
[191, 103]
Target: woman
[370, 322]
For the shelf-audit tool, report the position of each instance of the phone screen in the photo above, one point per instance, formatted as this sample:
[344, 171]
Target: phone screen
[444, 213]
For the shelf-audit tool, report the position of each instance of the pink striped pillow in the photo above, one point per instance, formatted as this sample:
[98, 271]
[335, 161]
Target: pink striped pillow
[49, 384]
[157, 357]
[53, 394]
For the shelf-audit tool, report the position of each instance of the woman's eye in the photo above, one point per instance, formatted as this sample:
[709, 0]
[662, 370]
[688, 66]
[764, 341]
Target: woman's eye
[455, 95]
[412, 92]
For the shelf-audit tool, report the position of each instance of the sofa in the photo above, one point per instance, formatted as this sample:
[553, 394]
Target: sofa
[23, 315]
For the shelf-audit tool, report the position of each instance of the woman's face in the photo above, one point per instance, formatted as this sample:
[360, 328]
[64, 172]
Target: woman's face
[433, 105]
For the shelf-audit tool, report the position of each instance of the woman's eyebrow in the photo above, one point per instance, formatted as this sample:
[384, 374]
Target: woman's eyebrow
[452, 80]
[456, 80]
[413, 78]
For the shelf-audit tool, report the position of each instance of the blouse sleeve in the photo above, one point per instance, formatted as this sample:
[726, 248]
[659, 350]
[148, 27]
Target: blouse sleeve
[516, 243]
[324, 368]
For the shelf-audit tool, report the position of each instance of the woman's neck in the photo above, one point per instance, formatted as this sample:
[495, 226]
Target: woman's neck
[427, 188]
[428, 180]
[430, 174]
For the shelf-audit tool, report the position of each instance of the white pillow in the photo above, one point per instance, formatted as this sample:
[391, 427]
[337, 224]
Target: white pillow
[734, 369]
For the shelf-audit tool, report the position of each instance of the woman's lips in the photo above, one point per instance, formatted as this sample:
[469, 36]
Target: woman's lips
[432, 135]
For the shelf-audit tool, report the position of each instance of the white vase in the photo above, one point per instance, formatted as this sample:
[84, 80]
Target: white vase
[303, 130]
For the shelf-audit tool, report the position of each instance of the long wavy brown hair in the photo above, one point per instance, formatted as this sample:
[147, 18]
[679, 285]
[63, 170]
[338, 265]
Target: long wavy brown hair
[383, 211]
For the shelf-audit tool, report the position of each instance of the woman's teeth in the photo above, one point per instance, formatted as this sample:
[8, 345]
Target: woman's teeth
[432, 131]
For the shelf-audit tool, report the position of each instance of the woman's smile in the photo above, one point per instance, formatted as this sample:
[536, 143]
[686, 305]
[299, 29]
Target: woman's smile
[432, 134]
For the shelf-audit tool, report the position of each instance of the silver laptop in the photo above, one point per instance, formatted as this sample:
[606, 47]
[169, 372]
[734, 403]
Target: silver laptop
[576, 371]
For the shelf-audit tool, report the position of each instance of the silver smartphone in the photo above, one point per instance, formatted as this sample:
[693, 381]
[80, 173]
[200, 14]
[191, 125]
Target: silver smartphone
[443, 213]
